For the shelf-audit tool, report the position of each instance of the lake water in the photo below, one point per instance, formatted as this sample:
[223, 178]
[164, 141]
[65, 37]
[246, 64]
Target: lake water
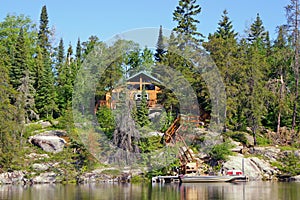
[110, 191]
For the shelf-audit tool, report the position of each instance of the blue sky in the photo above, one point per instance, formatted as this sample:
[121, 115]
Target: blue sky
[73, 19]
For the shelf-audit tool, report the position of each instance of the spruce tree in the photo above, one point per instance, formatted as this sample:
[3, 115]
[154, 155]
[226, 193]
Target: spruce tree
[20, 63]
[160, 47]
[45, 89]
[278, 83]
[293, 20]
[78, 52]
[222, 47]
[186, 29]
[44, 33]
[8, 126]
[257, 30]
[142, 111]
[60, 55]
[225, 28]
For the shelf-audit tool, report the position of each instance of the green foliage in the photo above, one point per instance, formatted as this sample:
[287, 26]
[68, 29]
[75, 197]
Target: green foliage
[290, 164]
[45, 84]
[220, 152]
[257, 30]
[262, 141]
[185, 16]
[238, 137]
[142, 111]
[149, 144]
[160, 47]
[166, 120]
[137, 179]
[106, 120]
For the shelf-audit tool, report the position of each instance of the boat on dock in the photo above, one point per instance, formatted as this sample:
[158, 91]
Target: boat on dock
[209, 178]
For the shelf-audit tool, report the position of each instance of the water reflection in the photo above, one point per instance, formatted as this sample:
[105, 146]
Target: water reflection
[241, 191]
[215, 191]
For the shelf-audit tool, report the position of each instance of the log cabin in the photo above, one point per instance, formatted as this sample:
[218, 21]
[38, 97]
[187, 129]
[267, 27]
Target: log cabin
[135, 85]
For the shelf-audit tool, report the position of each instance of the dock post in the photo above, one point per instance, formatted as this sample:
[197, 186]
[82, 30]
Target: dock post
[243, 166]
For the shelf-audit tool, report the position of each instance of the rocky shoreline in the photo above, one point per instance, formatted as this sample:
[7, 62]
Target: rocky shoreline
[21, 177]
[96, 176]
[42, 168]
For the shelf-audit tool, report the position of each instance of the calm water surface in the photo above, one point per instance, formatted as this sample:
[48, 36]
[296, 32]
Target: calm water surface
[228, 191]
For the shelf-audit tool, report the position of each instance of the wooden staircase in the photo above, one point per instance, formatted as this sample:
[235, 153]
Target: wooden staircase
[171, 131]
[188, 162]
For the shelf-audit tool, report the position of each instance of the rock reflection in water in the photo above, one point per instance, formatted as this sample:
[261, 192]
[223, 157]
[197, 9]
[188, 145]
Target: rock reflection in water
[113, 191]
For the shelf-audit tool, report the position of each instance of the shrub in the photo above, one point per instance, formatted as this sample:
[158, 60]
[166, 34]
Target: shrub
[290, 164]
[262, 141]
[220, 152]
[239, 137]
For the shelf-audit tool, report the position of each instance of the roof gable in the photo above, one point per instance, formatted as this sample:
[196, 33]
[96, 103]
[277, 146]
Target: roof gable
[144, 75]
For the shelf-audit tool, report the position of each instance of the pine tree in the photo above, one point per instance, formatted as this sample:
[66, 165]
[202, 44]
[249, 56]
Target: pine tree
[225, 28]
[280, 61]
[89, 45]
[20, 63]
[222, 47]
[78, 52]
[60, 56]
[160, 47]
[21, 81]
[142, 111]
[44, 33]
[186, 28]
[257, 30]
[8, 126]
[293, 20]
[69, 55]
[25, 99]
[146, 60]
[45, 89]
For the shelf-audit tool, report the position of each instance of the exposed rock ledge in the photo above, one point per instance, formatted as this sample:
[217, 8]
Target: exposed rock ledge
[254, 168]
[49, 141]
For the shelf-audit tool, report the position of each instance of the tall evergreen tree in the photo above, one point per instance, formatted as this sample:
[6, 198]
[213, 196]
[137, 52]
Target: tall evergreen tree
[44, 33]
[293, 20]
[45, 90]
[160, 47]
[142, 111]
[222, 46]
[78, 52]
[20, 64]
[89, 45]
[225, 29]
[278, 83]
[257, 30]
[8, 126]
[186, 28]
[60, 54]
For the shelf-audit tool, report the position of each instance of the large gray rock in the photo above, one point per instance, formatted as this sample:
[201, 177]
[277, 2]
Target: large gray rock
[12, 177]
[254, 168]
[270, 152]
[49, 141]
[40, 167]
[47, 177]
[295, 178]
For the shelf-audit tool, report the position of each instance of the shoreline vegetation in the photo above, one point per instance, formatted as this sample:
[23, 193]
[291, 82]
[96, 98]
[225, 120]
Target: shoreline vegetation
[41, 140]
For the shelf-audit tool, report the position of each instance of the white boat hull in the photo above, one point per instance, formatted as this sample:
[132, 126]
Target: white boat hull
[199, 179]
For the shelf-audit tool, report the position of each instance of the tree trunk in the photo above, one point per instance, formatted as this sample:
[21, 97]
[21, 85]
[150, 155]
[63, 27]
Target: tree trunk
[280, 99]
[296, 67]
